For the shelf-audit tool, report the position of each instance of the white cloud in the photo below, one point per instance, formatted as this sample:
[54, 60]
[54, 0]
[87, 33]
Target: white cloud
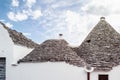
[26, 12]
[102, 7]
[36, 14]
[11, 16]
[18, 16]
[114, 21]
[9, 25]
[65, 3]
[2, 20]
[73, 20]
[15, 3]
[47, 1]
[61, 17]
[78, 26]
[109, 9]
[30, 3]
[21, 16]
[71, 24]
[24, 15]
[27, 34]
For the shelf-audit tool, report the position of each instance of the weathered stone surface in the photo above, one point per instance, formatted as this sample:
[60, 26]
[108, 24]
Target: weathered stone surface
[101, 47]
[19, 39]
[54, 51]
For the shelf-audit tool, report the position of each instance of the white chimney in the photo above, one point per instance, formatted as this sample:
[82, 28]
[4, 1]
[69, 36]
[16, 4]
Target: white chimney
[60, 36]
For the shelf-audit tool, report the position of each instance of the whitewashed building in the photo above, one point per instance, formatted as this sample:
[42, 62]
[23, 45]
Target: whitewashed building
[13, 46]
[97, 58]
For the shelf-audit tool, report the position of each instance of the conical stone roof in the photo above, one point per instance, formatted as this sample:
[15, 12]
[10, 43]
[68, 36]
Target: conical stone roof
[19, 39]
[101, 48]
[53, 50]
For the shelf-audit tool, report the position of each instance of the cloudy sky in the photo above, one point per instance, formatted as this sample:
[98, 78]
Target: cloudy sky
[45, 19]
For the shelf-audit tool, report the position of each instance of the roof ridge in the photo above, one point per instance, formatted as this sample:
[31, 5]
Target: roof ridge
[18, 38]
[53, 51]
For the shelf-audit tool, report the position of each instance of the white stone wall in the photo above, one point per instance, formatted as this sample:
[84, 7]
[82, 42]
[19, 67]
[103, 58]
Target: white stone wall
[10, 51]
[6, 44]
[6, 49]
[20, 52]
[47, 71]
[57, 71]
[113, 74]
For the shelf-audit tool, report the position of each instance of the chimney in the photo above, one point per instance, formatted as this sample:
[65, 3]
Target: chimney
[102, 18]
[60, 36]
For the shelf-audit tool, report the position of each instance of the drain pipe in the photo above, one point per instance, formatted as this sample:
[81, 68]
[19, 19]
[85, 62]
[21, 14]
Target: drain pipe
[88, 69]
[88, 75]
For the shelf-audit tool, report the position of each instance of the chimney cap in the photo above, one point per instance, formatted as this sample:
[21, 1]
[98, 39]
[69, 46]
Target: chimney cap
[102, 18]
[60, 34]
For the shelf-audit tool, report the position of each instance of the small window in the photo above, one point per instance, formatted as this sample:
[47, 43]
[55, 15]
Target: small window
[2, 68]
[103, 77]
[88, 41]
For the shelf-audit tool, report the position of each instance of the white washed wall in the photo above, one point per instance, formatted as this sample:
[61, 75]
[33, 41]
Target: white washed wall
[47, 71]
[6, 44]
[6, 49]
[56, 71]
[20, 52]
[11, 51]
[113, 74]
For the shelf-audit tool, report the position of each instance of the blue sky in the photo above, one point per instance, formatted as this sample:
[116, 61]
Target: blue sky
[40, 20]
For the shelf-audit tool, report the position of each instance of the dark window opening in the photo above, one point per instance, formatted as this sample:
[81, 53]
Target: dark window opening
[2, 68]
[88, 41]
[103, 77]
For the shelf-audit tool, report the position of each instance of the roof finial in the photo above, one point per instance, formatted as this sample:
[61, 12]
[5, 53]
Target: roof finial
[102, 18]
[60, 36]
